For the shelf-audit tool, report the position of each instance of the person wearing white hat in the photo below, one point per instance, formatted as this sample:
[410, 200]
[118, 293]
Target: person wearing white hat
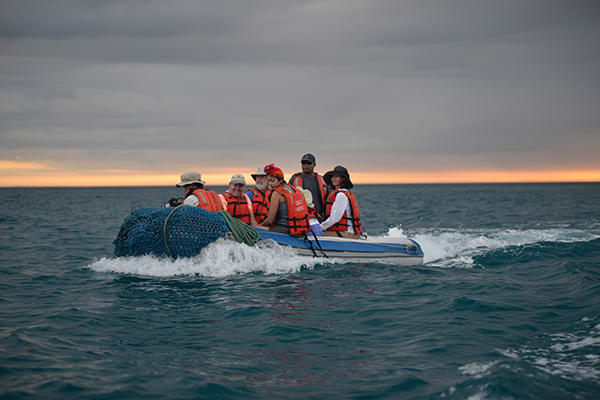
[195, 194]
[236, 202]
[258, 195]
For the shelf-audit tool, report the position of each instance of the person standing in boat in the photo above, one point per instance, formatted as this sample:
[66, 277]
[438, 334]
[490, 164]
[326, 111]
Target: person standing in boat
[195, 194]
[288, 212]
[258, 195]
[341, 207]
[236, 202]
[310, 180]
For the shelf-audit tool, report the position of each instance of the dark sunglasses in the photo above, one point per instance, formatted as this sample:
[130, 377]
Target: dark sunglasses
[305, 162]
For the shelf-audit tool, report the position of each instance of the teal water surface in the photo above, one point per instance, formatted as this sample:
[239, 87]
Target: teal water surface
[507, 304]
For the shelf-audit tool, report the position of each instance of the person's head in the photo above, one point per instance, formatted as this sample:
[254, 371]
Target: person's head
[191, 180]
[308, 162]
[275, 175]
[261, 179]
[339, 181]
[237, 185]
[339, 178]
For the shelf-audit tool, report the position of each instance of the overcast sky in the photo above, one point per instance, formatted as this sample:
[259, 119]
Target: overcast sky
[230, 85]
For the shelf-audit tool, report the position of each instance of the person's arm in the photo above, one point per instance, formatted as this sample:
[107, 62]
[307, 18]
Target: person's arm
[252, 219]
[191, 200]
[273, 207]
[337, 211]
[223, 201]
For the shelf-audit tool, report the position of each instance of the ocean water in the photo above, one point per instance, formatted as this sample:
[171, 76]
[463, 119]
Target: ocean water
[506, 305]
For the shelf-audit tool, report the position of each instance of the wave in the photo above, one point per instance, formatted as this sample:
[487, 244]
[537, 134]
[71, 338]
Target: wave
[443, 248]
[453, 248]
[569, 355]
[219, 259]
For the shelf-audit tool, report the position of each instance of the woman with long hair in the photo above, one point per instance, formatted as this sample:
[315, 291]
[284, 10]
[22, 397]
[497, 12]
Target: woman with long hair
[288, 212]
[341, 208]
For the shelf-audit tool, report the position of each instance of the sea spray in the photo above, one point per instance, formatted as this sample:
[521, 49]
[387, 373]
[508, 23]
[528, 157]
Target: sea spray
[219, 259]
[456, 248]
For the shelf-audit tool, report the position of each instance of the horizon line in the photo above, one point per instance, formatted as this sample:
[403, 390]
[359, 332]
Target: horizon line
[356, 184]
[133, 178]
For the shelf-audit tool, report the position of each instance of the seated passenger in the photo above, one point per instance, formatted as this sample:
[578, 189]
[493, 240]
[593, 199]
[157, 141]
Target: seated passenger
[341, 207]
[310, 180]
[258, 195]
[195, 194]
[288, 212]
[236, 202]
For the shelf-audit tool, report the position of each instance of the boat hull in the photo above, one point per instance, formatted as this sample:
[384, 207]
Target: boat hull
[399, 251]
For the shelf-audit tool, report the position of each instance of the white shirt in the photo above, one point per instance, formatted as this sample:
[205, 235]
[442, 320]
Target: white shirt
[191, 200]
[338, 207]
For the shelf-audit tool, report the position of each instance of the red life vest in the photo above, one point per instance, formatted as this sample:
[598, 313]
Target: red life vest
[297, 181]
[297, 209]
[207, 199]
[260, 205]
[238, 207]
[342, 224]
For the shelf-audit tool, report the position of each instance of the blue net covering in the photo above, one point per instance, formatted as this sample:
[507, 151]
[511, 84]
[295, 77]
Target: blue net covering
[177, 232]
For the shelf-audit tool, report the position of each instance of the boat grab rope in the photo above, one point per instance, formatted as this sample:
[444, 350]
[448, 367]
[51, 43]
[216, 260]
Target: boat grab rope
[312, 246]
[242, 232]
[319, 244]
[165, 229]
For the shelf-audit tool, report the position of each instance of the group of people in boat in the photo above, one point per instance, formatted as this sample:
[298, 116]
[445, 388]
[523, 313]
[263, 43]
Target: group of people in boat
[308, 201]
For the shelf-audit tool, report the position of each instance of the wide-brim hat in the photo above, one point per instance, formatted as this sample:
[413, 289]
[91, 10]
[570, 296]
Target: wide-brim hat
[190, 177]
[339, 170]
[259, 172]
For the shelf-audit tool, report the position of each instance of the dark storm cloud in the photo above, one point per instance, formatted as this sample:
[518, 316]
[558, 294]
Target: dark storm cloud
[59, 20]
[380, 82]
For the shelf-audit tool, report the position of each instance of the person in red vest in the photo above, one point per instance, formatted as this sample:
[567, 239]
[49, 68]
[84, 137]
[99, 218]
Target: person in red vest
[258, 195]
[288, 211]
[236, 202]
[195, 194]
[341, 207]
[310, 180]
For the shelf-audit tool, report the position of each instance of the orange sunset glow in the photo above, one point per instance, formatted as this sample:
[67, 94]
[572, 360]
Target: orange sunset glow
[34, 174]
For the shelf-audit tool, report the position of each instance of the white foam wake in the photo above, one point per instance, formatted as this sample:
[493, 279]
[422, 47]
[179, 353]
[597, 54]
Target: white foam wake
[219, 259]
[444, 248]
[452, 248]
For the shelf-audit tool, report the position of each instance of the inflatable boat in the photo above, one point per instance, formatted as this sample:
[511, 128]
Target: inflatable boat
[184, 231]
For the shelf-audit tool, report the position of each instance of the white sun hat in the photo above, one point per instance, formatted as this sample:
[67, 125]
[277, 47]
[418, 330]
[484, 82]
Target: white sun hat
[187, 178]
[259, 172]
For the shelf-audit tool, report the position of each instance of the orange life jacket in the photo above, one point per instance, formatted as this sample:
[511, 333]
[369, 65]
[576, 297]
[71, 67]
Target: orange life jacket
[260, 205]
[238, 207]
[297, 181]
[342, 224]
[297, 209]
[207, 199]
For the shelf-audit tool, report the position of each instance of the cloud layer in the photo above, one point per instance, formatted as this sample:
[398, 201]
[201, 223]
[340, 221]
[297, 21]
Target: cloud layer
[375, 85]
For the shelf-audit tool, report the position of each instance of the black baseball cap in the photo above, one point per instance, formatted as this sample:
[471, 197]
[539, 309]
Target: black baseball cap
[308, 157]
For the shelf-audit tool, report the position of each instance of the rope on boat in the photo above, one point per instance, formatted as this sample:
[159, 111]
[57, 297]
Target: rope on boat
[242, 232]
